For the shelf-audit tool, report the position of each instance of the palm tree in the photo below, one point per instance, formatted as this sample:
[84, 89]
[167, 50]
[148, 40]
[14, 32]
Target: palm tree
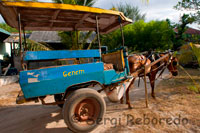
[130, 11]
[77, 2]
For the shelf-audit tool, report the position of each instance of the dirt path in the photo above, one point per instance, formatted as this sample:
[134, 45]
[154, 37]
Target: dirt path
[33, 117]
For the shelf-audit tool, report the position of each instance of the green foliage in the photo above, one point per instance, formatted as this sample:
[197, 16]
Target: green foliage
[130, 11]
[76, 2]
[191, 5]
[7, 28]
[35, 46]
[182, 27]
[194, 88]
[196, 51]
[142, 36]
[186, 55]
[10, 29]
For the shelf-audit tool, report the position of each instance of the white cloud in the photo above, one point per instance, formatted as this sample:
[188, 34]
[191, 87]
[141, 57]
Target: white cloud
[155, 9]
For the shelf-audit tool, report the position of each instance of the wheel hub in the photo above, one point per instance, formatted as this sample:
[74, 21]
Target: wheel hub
[85, 110]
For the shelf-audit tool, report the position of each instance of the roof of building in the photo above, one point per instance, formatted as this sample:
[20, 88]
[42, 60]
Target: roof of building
[53, 37]
[45, 36]
[189, 31]
[89, 39]
[14, 38]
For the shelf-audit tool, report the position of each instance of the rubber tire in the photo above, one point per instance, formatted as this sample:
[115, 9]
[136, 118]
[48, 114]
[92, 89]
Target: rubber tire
[72, 100]
[57, 98]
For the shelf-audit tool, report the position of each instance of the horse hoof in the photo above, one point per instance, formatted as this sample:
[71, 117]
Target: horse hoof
[153, 95]
[130, 107]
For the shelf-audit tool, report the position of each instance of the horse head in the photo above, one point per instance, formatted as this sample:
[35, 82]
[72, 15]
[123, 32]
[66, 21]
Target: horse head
[172, 65]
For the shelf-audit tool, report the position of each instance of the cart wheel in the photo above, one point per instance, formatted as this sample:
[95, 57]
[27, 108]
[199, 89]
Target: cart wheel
[58, 98]
[83, 110]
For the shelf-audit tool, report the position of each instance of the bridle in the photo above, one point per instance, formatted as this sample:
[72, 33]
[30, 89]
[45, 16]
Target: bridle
[166, 64]
[171, 61]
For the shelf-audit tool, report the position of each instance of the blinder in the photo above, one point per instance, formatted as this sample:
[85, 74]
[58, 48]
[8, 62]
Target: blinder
[174, 63]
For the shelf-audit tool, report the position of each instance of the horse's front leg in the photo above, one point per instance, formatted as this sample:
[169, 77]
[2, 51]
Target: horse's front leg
[127, 94]
[152, 78]
[122, 100]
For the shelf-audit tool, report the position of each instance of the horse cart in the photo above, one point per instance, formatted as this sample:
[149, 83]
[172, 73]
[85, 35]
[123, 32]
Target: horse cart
[73, 83]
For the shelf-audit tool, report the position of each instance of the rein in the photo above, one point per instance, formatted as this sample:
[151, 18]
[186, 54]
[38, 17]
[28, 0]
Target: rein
[164, 65]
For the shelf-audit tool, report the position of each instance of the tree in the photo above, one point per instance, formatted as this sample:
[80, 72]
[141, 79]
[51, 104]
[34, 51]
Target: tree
[130, 11]
[7, 28]
[182, 27]
[76, 2]
[190, 5]
[141, 36]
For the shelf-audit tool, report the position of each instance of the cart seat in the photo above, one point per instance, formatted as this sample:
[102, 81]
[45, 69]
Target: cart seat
[116, 59]
[108, 66]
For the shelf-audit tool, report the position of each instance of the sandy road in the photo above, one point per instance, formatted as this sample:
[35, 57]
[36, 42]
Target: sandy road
[34, 117]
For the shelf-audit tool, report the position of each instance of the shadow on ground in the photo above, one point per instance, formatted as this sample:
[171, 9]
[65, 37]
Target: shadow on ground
[32, 118]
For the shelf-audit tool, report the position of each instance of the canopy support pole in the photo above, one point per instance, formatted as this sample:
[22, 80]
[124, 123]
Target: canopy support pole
[20, 39]
[77, 38]
[122, 33]
[25, 39]
[98, 36]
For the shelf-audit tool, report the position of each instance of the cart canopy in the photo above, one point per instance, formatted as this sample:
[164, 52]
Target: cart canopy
[38, 16]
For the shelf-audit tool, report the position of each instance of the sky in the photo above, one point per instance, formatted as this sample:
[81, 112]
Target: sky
[154, 9]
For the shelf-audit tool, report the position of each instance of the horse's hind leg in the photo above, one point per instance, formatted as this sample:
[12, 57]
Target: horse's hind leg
[152, 82]
[127, 94]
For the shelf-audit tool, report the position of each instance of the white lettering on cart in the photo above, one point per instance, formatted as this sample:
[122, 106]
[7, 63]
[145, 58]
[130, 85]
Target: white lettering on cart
[33, 80]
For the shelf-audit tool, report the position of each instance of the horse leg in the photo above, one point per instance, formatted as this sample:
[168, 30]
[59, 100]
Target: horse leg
[152, 78]
[127, 94]
[122, 100]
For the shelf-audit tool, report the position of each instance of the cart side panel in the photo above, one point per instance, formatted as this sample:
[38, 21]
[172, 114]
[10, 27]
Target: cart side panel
[60, 54]
[111, 76]
[55, 80]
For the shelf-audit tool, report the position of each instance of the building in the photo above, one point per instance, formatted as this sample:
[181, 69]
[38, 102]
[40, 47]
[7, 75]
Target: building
[4, 47]
[191, 35]
[52, 39]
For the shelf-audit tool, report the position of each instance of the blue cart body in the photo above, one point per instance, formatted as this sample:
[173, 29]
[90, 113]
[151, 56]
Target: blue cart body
[56, 80]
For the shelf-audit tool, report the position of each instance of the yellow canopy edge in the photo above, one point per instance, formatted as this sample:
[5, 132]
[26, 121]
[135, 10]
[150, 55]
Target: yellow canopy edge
[52, 16]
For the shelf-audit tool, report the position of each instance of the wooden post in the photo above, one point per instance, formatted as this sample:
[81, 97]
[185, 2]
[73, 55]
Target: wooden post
[145, 84]
[20, 39]
[12, 57]
[98, 36]
[14, 49]
[122, 33]
[25, 47]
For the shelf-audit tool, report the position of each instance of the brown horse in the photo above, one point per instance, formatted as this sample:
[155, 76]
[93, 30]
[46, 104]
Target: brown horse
[169, 62]
[135, 62]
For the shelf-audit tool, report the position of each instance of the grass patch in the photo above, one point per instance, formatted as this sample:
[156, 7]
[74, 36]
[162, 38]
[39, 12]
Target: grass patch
[198, 96]
[194, 88]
